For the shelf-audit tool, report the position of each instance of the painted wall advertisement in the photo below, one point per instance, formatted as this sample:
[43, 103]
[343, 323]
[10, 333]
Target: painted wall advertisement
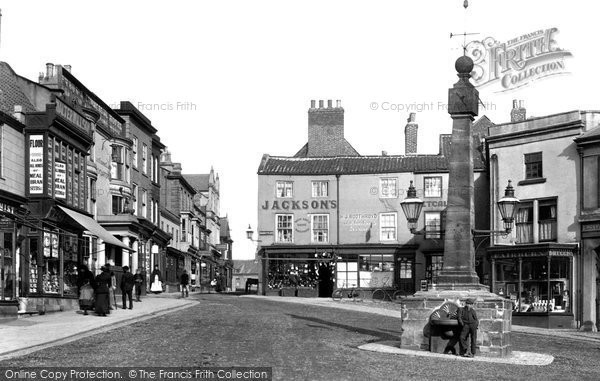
[60, 180]
[36, 164]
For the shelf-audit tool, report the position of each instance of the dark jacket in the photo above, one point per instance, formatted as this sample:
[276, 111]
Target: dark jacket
[467, 316]
[154, 273]
[185, 279]
[138, 279]
[127, 281]
[103, 282]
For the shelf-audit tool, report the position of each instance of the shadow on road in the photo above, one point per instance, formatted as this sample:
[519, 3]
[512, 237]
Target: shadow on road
[394, 335]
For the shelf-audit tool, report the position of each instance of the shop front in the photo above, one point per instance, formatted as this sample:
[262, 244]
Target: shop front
[538, 280]
[10, 215]
[312, 271]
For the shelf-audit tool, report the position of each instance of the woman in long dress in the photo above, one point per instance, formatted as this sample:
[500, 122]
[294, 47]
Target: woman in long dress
[156, 279]
[103, 283]
[86, 290]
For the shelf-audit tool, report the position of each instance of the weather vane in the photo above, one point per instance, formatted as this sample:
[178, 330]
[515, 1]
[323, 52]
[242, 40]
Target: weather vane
[464, 34]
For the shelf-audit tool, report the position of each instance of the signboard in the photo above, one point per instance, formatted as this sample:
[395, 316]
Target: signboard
[359, 222]
[423, 284]
[60, 180]
[73, 116]
[302, 225]
[36, 164]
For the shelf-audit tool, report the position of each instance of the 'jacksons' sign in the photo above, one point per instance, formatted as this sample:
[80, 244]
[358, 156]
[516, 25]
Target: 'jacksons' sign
[298, 205]
[517, 62]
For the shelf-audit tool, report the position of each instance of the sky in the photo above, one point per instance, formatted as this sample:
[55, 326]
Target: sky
[226, 81]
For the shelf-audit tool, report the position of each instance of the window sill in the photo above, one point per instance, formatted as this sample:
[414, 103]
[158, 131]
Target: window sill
[532, 181]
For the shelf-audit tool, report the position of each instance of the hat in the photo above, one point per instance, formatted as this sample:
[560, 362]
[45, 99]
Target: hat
[470, 301]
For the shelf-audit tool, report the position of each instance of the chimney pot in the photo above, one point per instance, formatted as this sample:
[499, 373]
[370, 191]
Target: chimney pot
[320, 103]
[338, 103]
[329, 103]
[515, 103]
[383, 153]
[68, 68]
[521, 104]
[412, 118]
[312, 103]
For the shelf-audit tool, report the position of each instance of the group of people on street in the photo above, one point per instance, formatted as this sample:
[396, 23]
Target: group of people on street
[98, 293]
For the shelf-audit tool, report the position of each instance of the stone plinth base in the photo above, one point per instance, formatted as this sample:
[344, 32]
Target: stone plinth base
[494, 313]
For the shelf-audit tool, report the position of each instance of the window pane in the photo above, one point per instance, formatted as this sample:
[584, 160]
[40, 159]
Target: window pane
[433, 187]
[432, 224]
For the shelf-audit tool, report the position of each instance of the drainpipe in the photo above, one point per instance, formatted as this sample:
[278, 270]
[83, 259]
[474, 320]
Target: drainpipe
[337, 188]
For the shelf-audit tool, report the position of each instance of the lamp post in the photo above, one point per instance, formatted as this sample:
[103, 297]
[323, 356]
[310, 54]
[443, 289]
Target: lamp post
[250, 234]
[411, 206]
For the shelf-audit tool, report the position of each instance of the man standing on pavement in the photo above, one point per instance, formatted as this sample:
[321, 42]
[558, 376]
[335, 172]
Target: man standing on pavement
[127, 283]
[467, 319]
[138, 279]
[185, 284]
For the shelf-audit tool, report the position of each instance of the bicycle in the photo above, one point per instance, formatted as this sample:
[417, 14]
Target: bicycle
[381, 295]
[353, 293]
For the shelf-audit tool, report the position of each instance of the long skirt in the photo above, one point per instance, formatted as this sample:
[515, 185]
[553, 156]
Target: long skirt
[102, 304]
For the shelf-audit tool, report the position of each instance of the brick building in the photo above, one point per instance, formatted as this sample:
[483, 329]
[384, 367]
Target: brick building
[329, 217]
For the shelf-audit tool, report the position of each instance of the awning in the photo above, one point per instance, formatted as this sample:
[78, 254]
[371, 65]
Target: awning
[94, 228]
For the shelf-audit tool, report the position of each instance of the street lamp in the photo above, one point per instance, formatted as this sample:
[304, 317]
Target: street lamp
[411, 206]
[250, 233]
[508, 206]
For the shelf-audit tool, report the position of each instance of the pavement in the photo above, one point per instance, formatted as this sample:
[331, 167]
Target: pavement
[29, 334]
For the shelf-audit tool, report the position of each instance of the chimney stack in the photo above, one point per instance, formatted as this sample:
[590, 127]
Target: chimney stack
[326, 130]
[518, 112]
[18, 113]
[410, 135]
[49, 70]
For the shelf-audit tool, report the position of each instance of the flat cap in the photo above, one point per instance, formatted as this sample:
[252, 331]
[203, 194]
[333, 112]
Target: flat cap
[470, 301]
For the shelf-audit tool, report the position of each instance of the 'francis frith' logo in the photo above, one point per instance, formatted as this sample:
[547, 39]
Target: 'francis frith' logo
[519, 61]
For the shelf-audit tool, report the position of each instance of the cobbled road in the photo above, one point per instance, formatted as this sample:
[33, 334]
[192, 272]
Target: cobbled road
[300, 343]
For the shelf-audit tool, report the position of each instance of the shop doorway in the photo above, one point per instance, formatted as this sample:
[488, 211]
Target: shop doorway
[325, 279]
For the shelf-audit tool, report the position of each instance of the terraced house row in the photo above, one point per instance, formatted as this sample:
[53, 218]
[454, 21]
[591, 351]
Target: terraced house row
[82, 183]
[329, 217]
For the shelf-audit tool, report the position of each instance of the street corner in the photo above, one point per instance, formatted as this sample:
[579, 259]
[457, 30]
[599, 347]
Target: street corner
[516, 357]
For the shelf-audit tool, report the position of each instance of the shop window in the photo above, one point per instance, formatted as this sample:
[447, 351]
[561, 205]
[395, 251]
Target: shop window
[524, 222]
[7, 271]
[347, 273]
[285, 227]
[51, 264]
[433, 186]
[433, 267]
[547, 220]
[433, 225]
[376, 271]
[387, 223]
[68, 248]
[320, 188]
[33, 265]
[533, 165]
[319, 228]
[388, 187]
[543, 287]
[285, 189]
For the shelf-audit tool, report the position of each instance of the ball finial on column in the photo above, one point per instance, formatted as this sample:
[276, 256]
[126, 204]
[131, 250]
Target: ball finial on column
[464, 65]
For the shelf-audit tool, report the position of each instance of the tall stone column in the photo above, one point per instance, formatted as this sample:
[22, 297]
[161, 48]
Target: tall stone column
[459, 253]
